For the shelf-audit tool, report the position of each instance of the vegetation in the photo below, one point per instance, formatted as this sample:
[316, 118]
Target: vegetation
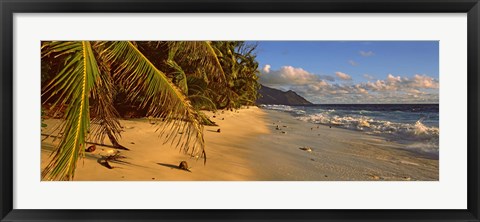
[91, 84]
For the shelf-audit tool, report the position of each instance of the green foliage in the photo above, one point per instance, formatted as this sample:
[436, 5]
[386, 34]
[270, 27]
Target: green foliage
[75, 81]
[238, 59]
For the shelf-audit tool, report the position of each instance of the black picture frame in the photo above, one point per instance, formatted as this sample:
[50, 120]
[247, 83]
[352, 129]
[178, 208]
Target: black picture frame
[9, 7]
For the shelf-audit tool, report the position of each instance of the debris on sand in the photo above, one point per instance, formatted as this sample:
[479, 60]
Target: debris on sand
[375, 177]
[184, 166]
[105, 160]
[91, 149]
[306, 148]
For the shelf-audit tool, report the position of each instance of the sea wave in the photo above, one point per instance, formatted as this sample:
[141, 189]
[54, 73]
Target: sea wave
[284, 108]
[416, 130]
[423, 137]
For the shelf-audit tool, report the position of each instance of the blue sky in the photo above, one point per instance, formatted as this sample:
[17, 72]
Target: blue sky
[353, 71]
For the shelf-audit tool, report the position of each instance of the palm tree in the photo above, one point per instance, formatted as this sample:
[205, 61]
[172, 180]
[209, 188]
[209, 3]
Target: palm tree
[238, 61]
[90, 74]
[246, 84]
[236, 85]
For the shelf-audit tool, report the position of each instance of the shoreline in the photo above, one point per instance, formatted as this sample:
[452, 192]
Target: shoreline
[250, 148]
[401, 144]
[344, 155]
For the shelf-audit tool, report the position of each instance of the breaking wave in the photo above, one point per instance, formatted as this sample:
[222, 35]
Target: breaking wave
[408, 127]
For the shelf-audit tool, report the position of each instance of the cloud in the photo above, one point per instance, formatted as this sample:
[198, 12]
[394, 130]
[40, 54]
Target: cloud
[414, 91]
[423, 81]
[266, 68]
[392, 79]
[289, 75]
[360, 89]
[369, 77]
[366, 53]
[392, 89]
[353, 63]
[343, 76]
[397, 83]
[286, 75]
[419, 88]
[326, 77]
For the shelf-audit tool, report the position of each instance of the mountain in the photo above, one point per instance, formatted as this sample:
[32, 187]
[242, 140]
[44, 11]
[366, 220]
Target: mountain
[278, 97]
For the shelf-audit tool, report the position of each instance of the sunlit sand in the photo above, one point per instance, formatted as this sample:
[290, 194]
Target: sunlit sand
[253, 145]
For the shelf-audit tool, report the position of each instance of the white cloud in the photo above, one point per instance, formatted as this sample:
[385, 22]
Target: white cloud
[393, 80]
[414, 91]
[360, 89]
[343, 76]
[366, 53]
[321, 89]
[369, 77]
[289, 75]
[353, 63]
[266, 68]
[397, 83]
[423, 81]
[392, 89]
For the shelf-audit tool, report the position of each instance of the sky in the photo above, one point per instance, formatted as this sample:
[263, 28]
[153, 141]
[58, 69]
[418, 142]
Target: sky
[326, 72]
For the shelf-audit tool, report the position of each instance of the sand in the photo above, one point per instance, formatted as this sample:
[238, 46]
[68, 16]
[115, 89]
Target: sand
[250, 148]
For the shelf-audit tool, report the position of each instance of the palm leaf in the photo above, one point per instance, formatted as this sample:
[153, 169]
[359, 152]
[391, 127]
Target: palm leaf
[202, 102]
[73, 84]
[180, 75]
[103, 112]
[199, 54]
[145, 83]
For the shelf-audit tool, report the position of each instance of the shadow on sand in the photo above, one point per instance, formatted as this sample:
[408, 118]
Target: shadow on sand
[215, 131]
[171, 166]
[118, 147]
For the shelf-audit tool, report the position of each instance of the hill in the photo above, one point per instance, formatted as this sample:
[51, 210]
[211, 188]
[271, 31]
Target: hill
[278, 97]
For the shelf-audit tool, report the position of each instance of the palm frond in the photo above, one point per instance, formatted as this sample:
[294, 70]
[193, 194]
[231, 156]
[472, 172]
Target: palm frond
[180, 75]
[155, 91]
[202, 102]
[200, 54]
[73, 84]
[104, 114]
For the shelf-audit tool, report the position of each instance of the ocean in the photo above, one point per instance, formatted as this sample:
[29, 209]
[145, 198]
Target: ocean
[414, 125]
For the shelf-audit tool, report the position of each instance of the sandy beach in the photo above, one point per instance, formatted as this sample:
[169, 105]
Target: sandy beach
[250, 147]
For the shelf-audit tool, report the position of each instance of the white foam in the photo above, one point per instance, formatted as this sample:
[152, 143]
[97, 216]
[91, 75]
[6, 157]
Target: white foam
[416, 132]
[416, 135]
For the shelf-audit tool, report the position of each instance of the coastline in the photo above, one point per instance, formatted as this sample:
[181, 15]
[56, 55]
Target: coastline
[250, 148]
[339, 154]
